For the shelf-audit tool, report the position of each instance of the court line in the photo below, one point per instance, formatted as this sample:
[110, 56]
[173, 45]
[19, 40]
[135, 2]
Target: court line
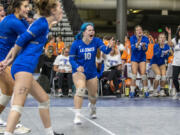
[101, 127]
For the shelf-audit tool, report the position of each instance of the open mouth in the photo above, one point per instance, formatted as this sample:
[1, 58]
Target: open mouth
[91, 36]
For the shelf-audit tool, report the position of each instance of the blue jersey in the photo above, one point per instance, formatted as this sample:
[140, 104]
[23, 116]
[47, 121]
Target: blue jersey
[85, 56]
[138, 54]
[10, 28]
[159, 56]
[32, 42]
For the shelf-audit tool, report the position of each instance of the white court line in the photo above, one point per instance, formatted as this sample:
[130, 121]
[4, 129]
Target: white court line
[101, 127]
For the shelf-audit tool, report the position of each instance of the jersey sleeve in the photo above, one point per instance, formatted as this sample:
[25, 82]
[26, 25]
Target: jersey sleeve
[18, 27]
[105, 49]
[73, 55]
[133, 44]
[31, 33]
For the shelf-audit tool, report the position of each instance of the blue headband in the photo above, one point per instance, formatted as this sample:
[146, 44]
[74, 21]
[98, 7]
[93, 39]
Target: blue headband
[83, 28]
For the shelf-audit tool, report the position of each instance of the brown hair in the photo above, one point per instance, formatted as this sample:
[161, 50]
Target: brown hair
[44, 6]
[67, 47]
[136, 28]
[14, 4]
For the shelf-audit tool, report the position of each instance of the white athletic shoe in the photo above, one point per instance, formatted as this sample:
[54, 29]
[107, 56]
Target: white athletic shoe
[20, 129]
[2, 123]
[162, 93]
[92, 109]
[77, 119]
[176, 96]
[155, 94]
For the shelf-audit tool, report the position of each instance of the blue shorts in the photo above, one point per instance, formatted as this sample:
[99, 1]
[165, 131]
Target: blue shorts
[19, 68]
[138, 60]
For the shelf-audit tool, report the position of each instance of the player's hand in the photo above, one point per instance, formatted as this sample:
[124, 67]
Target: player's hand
[80, 69]
[168, 30]
[143, 46]
[3, 66]
[166, 52]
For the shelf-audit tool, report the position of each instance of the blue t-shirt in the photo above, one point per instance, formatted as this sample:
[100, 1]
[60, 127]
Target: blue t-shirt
[32, 42]
[138, 54]
[10, 28]
[159, 55]
[85, 55]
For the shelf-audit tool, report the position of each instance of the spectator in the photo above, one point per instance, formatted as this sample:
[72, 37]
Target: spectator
[112, 68]
[149, 54]
[63, 69]
[51, 42]
[46, 61]
[175, 43]
[60, 44]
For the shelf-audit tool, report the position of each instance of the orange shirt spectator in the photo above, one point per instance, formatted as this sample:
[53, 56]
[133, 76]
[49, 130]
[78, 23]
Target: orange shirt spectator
[52, 43]
[170, 59]
[60, 44]
[126, 55]
[149, 52]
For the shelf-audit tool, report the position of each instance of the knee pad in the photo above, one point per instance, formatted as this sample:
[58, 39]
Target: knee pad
[44, 105]
[93, 97]
[144, 77]
[4, 99]
[81, 92]
[158, 77]
[163, 78]
[17, 108]
[133, 76]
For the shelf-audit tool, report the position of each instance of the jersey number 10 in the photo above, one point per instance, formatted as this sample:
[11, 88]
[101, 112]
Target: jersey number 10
[87, 56]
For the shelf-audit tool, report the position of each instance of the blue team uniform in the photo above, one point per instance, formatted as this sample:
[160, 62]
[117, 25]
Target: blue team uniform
[138, 54]
[10, 28]
[32, 42]
[159, 57]
[85, 56]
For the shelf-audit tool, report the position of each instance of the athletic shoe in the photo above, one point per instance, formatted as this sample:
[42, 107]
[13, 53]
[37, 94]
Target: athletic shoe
[162, 93]
[20, 129]
[60, 94]
[58, 133]
[146, 94]
[155, 94]
[132, 94]
[92, 109]
[173, 92]
[2, 123]
[176, 96]
[77, 119]
[70, 94]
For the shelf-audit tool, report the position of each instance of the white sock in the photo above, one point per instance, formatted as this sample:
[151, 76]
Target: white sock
[7, 133]
[49, 131]
[145, 89]
[77, 111]
[133, 88]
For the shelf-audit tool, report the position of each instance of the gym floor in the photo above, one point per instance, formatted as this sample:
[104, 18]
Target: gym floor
[116, 116]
